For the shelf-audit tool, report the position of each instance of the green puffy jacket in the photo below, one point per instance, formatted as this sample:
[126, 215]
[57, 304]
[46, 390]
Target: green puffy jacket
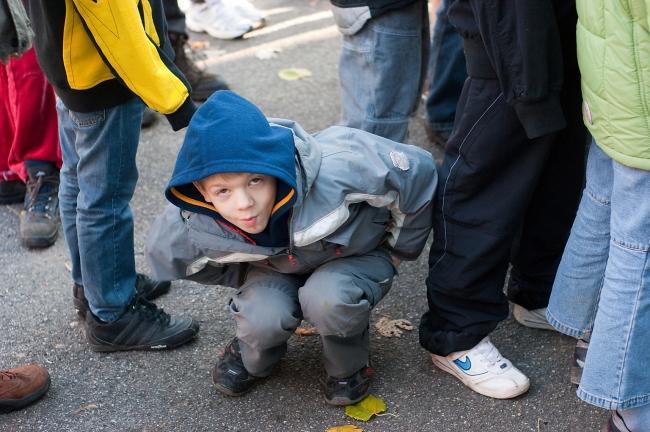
[614, 57]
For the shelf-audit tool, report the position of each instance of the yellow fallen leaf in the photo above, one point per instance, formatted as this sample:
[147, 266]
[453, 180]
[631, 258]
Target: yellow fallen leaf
[345, 428]
[292, 74]
[366, 409]
[306, 331]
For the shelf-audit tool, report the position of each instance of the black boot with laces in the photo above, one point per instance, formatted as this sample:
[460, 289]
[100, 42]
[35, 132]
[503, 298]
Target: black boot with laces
[230, 376]
[143, 326]
[39, 221]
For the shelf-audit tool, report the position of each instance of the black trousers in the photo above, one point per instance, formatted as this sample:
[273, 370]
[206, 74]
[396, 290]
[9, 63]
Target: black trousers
[502, 198]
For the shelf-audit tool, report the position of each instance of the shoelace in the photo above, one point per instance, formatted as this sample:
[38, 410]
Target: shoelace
[151, 311]
[490, 353]
[40, 193]
[7, 376]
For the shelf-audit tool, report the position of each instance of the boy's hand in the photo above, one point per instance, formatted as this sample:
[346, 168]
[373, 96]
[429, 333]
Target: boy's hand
[396, 261]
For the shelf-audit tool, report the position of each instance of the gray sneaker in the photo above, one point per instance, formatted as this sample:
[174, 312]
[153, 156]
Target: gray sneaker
[39, 220]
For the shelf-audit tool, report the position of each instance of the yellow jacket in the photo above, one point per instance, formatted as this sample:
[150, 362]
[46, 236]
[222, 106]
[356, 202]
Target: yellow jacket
[100, 53]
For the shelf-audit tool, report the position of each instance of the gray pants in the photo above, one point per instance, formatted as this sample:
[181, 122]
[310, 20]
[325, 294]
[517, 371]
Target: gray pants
[337, 298]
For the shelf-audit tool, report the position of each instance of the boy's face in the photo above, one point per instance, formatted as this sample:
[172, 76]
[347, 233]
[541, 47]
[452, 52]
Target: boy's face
[245, 200]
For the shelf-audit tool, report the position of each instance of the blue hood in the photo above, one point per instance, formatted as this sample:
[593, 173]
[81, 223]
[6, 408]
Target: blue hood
[228, 134]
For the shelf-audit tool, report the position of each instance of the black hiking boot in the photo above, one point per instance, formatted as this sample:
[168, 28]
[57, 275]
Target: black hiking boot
[350, 390]
[203, 83]
[39, 221]
[229, 375]
[144, 286]
[143, 326]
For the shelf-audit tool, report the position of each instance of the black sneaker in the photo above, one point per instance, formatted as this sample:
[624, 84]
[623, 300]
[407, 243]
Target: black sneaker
[579, 356]
[350, 390]
[229, 375]
[142, 327]
[11, 191]
[39, 221]
[145, 286]
[203, 83]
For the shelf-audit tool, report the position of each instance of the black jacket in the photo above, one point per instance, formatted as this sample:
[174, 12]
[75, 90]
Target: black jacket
[522, 41]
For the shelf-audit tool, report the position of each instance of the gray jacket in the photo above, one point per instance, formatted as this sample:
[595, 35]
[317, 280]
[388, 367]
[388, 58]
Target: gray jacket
[356, 192]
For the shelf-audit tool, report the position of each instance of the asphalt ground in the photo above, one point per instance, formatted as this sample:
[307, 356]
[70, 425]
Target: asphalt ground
[172, 390]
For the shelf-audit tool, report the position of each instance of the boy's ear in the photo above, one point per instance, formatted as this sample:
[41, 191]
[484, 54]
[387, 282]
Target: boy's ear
[199, 187]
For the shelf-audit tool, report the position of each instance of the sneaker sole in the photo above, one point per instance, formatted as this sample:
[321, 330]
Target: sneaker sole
[228, 392]
[338, 401]
[98, 345]
[469, 383]
[15, 404]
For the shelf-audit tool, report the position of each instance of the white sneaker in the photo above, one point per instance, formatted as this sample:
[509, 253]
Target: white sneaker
[485, 371]
[535, 318]
[246, 10]
[216, 19]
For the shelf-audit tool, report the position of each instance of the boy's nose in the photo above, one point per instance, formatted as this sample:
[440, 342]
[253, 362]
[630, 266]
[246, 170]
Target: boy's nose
[244, 201]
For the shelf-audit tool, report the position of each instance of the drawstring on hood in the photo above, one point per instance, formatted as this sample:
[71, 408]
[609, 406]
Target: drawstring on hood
[228, 134]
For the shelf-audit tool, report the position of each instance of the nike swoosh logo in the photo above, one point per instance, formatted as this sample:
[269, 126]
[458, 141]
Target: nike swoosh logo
[464, 365]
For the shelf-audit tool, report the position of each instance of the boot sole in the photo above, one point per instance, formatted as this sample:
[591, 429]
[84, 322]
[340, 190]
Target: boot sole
[470, 384]
[15, 404]
[98, 345]
[39, 242]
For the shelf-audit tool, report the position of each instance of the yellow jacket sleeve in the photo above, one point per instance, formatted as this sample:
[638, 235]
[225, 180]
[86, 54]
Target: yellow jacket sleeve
[119, 32]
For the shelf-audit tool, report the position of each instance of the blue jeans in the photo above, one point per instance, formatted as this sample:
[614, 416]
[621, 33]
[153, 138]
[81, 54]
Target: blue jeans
[382, 70]
[447, 72]
[98, 178]
[603, 284]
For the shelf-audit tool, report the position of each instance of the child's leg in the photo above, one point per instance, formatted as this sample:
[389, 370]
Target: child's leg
[616, 367]
[266, 312]
[579, 278]
[337, 299]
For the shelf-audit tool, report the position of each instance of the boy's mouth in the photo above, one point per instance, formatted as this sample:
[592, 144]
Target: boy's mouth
[250, 222]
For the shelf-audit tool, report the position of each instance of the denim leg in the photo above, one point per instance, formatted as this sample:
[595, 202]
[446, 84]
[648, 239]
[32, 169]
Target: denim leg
[98, 181]
[69, 188]
[616, 368]
[382, 69]
[579, 279]
[447, 72]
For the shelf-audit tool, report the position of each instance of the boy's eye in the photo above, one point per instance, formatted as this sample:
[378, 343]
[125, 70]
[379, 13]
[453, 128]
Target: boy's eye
[256, 180]
[221, 191]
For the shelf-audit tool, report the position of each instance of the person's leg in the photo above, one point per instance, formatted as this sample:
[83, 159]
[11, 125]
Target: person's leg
[12, 188]
[581, 272]
[447, 73]
[266, 312]
[489, 174]
[337, 298]
[30, 97]
[382, 69]
[615, 374]
[99, 177]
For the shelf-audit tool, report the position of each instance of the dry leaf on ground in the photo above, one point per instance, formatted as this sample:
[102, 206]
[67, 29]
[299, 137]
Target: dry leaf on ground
[366, 409]
[292, 74]
[392, 328]
[345, 428]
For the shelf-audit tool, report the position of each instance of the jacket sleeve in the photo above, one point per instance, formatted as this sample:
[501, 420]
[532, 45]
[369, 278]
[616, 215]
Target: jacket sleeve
[412, 210]
[118, 31]
[172, 255]
[523, 43]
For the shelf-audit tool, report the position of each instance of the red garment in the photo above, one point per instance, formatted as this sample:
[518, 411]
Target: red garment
[28, 123]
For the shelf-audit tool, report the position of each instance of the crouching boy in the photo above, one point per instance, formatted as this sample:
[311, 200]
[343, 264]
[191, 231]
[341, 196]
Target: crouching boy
[303, 226]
